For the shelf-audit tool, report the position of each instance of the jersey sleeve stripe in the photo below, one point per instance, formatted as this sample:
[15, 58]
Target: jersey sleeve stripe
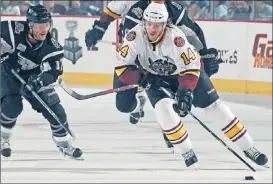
[190, 72]
[52, 55]
[133, 19]
[11, 36]
[110, 13]
[180, 17]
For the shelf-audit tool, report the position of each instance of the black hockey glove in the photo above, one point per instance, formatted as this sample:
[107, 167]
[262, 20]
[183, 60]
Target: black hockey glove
[211, 63]
[146, 80]
[184, 102]
[34, 82]
[149, 80]
[92, 36]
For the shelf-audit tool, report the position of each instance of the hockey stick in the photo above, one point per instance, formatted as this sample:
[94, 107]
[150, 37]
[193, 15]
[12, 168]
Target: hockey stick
[78, 96]
[42, 102]
[94, 48]
[107, 42]
[211, 132]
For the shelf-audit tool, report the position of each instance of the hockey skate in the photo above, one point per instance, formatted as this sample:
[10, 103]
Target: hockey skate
[68, 150]
[138, 111]
[168, 143]
[256, 156]
[5, 147]
[71, 152]
[190, 158]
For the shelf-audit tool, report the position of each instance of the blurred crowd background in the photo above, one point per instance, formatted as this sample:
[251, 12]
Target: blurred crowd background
[209, 10]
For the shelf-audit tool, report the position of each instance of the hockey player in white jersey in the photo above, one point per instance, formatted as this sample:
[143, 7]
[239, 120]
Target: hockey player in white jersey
[167, 59]
[177, 16]
[163, 52]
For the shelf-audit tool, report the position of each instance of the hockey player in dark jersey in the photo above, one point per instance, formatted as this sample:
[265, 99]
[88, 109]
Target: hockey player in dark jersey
[205, 95]
[29, 50]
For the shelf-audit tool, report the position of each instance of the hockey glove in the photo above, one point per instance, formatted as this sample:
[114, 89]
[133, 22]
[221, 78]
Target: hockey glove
[34, 82]
[149, 80]
[92, 36]
[184, 102]
[146, 80]
[211, 63]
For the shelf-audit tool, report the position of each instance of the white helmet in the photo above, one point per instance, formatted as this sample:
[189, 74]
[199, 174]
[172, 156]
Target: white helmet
[156, 12]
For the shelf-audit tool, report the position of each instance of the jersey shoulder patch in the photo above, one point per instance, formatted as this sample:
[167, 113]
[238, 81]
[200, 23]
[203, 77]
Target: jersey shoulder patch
[19, 27]
[131, 36]
[179, 41]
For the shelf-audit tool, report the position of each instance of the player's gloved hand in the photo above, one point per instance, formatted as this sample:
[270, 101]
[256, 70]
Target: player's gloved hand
[184, 102]
[149, 80]
[34, 83]
[92, 36]
[211, 62]
[146, 80]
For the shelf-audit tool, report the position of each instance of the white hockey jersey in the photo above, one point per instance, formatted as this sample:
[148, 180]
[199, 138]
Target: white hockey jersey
[172, 55]
[118, 9]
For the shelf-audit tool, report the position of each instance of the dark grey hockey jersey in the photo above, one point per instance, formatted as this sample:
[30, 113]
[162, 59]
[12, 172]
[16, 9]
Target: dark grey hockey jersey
[27, 59]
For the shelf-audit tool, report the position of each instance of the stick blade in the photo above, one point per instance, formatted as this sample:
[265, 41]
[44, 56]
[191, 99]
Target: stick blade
[69, 91]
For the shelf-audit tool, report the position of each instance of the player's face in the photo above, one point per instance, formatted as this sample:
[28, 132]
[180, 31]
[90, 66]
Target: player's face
[154, 29]
[40, 30]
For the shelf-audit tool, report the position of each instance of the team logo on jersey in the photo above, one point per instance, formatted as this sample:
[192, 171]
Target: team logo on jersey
[18, 27]
[162, 66]
[55, 43]
[25, 63]
[138, 12]
[21, 47]
[179, 41]
[131, 36]
[178, 6]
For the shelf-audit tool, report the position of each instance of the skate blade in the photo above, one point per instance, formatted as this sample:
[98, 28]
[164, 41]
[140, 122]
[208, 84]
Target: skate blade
[73, 158]
[265, 166]
[79, 158]
[3, 158]
[171, 150]
[195, 166]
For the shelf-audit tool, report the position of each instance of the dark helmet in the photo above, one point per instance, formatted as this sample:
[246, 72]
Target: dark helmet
[38, 14]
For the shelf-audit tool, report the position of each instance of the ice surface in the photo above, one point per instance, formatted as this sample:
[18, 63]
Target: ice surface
[117, 151]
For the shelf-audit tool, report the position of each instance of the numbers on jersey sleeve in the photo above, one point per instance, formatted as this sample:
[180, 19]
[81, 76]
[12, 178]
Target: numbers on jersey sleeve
[123, 50]
[188, 57]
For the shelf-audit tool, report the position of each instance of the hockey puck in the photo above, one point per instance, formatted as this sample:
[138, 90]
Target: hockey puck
[249, 178]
